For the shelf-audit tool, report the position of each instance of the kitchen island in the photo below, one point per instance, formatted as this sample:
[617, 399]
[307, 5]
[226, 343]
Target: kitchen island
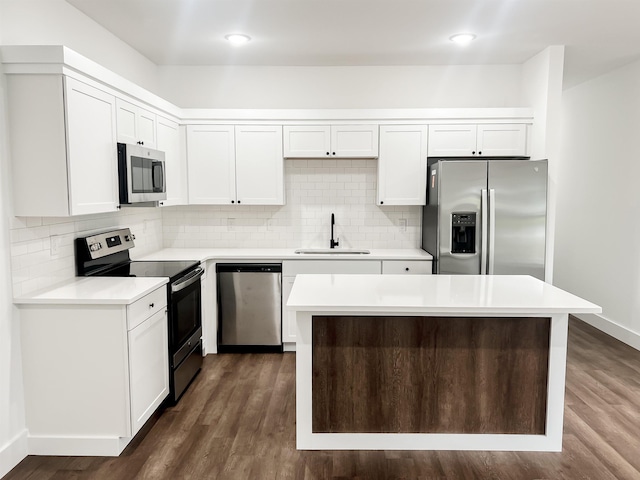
[430, 362]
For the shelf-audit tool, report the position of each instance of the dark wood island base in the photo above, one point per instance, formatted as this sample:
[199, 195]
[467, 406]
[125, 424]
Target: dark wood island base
[388, 374]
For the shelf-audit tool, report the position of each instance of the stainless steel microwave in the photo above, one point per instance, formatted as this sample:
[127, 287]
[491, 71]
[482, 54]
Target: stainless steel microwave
[141, 174]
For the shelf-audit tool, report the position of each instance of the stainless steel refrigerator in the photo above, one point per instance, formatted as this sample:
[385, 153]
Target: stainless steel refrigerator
[486, 217]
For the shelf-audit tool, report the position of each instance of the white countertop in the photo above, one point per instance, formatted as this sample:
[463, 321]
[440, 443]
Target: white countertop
[203, 254]
[445, 294]
[95, 291]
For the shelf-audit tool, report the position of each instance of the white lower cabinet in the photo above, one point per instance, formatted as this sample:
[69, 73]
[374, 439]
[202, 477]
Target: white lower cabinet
[294, 267]
[148, 368]
[288, 316]
[93, 374]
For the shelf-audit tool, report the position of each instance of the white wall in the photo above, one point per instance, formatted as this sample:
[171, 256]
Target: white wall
[55, 22]
[542, 89]
[342, 87]
[314, 190]
[13, 443]
[597, 234]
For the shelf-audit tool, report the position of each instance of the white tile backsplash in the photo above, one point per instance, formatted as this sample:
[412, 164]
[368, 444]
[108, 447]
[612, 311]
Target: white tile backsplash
[314, 190]
[42, 248]
[35, 264]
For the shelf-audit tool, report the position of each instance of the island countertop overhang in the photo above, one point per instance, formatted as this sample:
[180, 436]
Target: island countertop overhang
[429, 294]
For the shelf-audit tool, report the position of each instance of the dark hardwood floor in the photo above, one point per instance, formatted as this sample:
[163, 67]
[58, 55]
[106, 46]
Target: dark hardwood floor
[237, 421]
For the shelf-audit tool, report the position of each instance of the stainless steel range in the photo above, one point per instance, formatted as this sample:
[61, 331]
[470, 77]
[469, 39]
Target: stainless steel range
[107, 254]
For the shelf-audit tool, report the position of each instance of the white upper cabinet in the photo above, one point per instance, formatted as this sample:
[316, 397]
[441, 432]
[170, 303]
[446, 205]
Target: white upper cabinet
[331, 141]
[307, 141]
[354, 141]
[259, 165]
[452, 140]
[502, 140]
[211, 159]
[402, 165]
[235, 165]
[136, 125]
[477, 140]
[63, 146]
[171, 140]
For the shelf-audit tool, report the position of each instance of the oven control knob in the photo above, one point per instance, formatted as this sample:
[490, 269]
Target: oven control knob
[94, 247]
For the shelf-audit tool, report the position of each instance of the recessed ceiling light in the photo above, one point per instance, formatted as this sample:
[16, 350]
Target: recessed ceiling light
[462, 38]
[237, 38]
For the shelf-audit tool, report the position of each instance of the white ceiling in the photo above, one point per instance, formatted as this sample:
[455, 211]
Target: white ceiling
[599, 34]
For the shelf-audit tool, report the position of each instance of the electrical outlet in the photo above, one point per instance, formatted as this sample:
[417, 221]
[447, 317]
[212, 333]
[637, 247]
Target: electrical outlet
[56, 241]
[269, 224]
[231, 222]
[403, 224]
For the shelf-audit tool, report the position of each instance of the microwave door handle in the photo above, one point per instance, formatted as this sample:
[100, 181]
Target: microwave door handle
[484, 210]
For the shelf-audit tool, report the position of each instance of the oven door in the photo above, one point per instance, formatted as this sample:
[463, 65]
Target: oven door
[186, 314]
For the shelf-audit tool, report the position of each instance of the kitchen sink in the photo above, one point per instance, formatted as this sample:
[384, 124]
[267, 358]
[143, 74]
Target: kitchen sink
[331, 251]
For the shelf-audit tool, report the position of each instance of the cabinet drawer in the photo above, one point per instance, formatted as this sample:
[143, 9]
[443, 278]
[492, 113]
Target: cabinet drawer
[407, 266]
[295, 267]
[147, 306]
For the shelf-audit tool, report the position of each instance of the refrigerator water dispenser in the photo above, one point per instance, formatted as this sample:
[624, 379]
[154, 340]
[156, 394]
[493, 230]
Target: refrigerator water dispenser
[463, 232]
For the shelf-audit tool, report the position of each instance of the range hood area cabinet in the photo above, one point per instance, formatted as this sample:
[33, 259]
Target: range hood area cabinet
[486, 140]
[240, 164]
[331, 141]
[136, 125]
[63, 146]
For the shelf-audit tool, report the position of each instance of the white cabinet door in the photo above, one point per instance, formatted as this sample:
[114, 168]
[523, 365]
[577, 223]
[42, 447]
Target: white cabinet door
[307, 141]
[335, 141]
[211, 164]
[288, 315]
[402, 165]
[259, 165]
[148, 368]
[502, 140]
[136, 125]
[91, 149]
[452, 140]
[486, 140]
[354, 141]
[171, 142]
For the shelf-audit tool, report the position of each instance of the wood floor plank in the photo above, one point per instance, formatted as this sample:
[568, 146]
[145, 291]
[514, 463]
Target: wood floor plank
[237, 421]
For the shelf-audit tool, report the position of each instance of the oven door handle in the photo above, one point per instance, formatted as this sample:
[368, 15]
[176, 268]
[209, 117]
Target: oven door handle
[187, 280]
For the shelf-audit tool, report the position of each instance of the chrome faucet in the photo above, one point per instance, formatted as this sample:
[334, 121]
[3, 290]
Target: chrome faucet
[333, 243]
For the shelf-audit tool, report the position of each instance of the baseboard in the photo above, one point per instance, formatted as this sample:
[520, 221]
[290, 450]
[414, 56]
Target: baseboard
[77, 446]
[13, 452]
[612, 328]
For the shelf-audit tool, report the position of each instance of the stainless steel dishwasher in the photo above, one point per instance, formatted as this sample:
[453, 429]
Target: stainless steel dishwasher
[249, 307]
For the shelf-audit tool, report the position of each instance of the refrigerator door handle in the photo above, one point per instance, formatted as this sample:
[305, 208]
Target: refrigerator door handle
[484, 228]
[492, 229]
